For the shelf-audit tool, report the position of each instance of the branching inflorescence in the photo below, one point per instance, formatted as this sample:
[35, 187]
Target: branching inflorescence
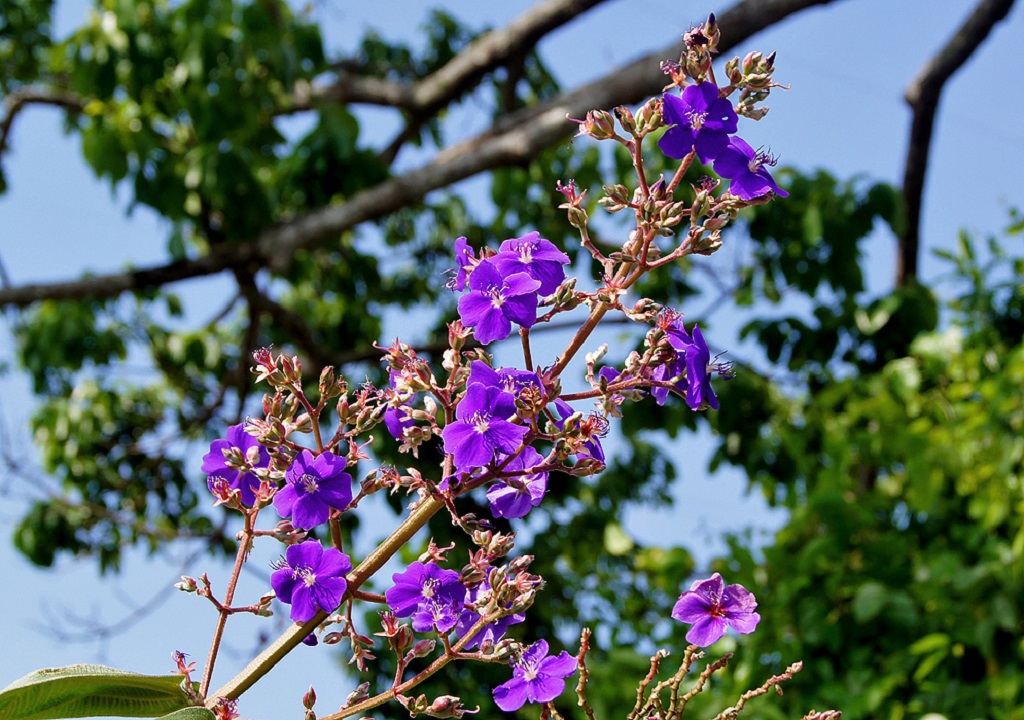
[504, 430]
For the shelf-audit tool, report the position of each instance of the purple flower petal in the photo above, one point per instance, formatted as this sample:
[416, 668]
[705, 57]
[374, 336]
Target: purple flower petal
[511, 695]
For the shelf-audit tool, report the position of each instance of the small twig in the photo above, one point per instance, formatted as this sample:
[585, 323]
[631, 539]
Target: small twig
[581, 664]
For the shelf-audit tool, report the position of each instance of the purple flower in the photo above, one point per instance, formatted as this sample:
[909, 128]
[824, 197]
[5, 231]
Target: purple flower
[711, 607]
[420, 585]
[216, 467]
[702, 120]
[311, 579]
[396, 421]
[514, 497]
[490, 633]
[495, 302]
[482, 427]
[595, 426]
[679, 340]
[436, 614]
[745, 169]
[508, 379]
[691, 364]
[535, 678]
[465, 257]
[535, 256]
[698, 375]
[313, 485]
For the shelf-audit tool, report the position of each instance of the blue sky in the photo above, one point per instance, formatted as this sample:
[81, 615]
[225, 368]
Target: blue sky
[848, 65]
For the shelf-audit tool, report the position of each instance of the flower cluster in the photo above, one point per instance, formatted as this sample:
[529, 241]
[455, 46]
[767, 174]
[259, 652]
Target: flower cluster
[439, 600]
[506, 287]
[506, 433]
[704, 122]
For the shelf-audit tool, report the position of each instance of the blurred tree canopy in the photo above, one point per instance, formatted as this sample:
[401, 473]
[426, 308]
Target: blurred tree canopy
[895, 441]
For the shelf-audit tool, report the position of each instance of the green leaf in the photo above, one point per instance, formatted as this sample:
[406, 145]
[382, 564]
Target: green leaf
[191, 713]
[616, 540]
[93, 690]
[869, 601]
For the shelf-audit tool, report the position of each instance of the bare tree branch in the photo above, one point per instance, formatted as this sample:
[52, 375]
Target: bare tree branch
[514, 140]
[484, 54]
[923, 97]
[17, 101]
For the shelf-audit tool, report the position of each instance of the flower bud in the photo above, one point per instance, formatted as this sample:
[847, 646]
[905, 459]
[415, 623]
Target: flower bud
[576, 216]
[309, 699]
[263, 604]
[750, 62]
[598, 125]
[187, 584]
[712, 32]
[359, 694]
[732, 71]
[421, 649]
[626, 119]
[448, 706]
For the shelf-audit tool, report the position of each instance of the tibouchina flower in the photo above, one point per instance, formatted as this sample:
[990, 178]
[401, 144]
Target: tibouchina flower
[536, 678]
[712, 606]
[313, 485]
[482, 427]
[746, 171]
[311, 579]
[514, 497]
[535, 256]
[216, 467]
[494, 302]
[429, 593]
[701, 120]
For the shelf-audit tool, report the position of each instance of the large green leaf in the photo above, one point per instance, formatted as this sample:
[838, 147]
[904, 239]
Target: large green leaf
[93, 690]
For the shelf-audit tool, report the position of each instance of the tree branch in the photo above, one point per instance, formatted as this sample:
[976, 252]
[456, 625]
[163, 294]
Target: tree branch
[17, 101]
[484, 54]
[923, 97]
[514, 140]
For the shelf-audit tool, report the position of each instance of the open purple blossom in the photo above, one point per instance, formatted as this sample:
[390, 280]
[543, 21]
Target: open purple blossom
[514, 497]
[313, 485]
[712, 606]
[420, 585]
[311, 579]
[701, 120]
[535, 256]
[216, 467]
[745, 169]
[536, 678]
[491, 632]
[482, 427]
[494, 302]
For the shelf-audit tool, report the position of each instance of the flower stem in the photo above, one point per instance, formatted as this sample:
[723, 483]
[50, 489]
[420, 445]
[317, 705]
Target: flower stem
[290, 638]
[225, 609]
